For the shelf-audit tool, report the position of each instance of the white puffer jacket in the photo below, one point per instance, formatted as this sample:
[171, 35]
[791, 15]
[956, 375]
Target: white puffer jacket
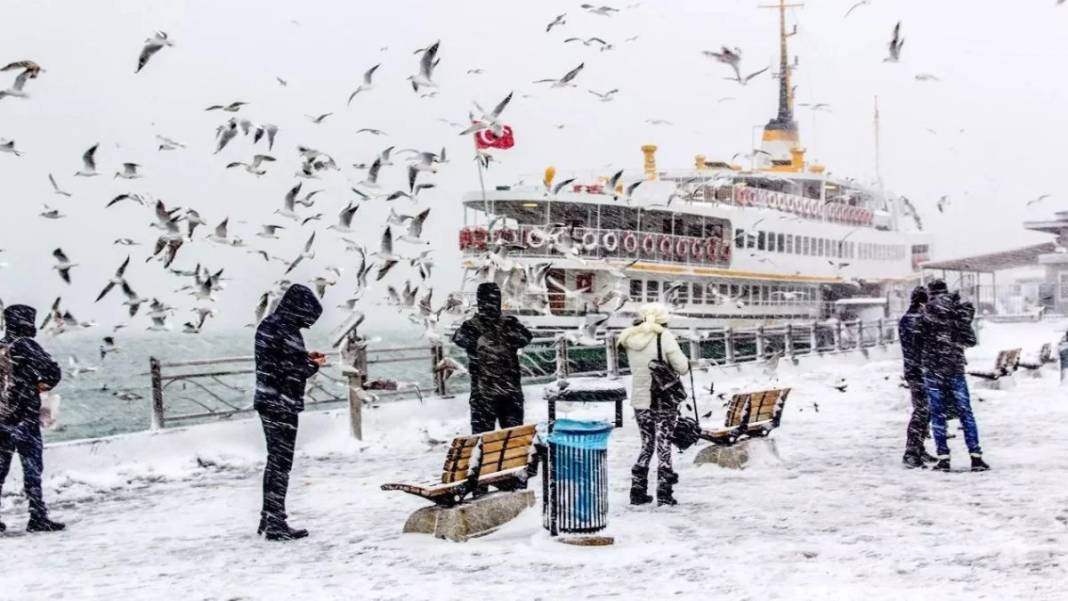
[640, 344]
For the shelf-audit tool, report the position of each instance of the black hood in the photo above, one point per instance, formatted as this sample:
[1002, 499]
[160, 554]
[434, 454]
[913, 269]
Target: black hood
[299, 306]
[919, 298]
[20, 321]
[937, 287]
[489, 299]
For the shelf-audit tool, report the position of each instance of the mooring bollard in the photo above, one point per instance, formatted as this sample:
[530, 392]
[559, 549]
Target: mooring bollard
[157, 417]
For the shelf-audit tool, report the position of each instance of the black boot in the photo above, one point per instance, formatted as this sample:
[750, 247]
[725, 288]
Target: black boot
[43, 524]
[263, 525]
[913, 461]
[978, 465]
[639, 486]
[666, 480]
[928, 458]
[942, 465]
[279, 530]
[3, 528]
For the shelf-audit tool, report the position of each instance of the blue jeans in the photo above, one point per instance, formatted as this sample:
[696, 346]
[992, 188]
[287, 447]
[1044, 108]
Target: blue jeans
[24, 438]
[941, 391]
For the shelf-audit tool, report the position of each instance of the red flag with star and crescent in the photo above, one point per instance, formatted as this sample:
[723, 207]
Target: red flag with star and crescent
[485, 138]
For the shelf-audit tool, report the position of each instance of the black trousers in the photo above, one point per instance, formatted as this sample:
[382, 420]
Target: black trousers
[921, 416]
[24, 438]
[487, 413]
[280, 431]
[656, 427]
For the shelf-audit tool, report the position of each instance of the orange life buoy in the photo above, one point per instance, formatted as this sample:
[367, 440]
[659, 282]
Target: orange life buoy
[682, 248]
[697, 250]
[725, 250]
[630, 243]
[648, 244]
[666, 246]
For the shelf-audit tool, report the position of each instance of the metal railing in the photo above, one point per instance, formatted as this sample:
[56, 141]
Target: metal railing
[225, 386]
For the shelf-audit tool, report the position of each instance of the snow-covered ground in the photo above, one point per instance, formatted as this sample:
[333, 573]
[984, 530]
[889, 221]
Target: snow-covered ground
[173, 515]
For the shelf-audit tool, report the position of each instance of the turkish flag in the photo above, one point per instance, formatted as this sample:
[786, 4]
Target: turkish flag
[485, 138]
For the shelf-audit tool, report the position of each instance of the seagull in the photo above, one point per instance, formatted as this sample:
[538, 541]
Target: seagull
[372, 131]
[415, 228]
[270, 130]
[606, 96]
[658, 122]
[63, 264]
[50, 213]
[560, 19]
[318, 119]
[77, 369]
[926, 77]
[9, 147]
[385, 252]
[856, 6]
[221, 235]
[306, 254]
[152, 45]
[942, 202]
[193, 220]
[371, 181]
[121, 197]
[166, 143]
[743, 81]
[224, 133]
[159, 324]
[1038, 200]
[367, 83]
[603, 10]
[565, 81]
[89, 162]
[55, 187]
[233, 107]
[254, 168]
[727, 57]
[490, 120]
[125, 242]
[16, 89]
[344, 219]
[426, 68]
[591, 41]
[129, 171]
[117, 280]
[321, 284]
[108, 346]
[896, 43]
[133, 301]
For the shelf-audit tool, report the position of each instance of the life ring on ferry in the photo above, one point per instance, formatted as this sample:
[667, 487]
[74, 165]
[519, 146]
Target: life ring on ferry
[589, 241]
[712, 249]
[478, 238]
[630, 243]
[648, 244]
[697, 250]
[778, 201]
[725, 251]
[610, 242]
[666, 246]
[745, 196]
[536, 238]
[866, 216]
[465, 238]
[857, 216]
[682, 248]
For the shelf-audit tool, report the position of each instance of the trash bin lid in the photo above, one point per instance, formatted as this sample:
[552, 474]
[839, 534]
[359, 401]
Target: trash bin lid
[580, 434]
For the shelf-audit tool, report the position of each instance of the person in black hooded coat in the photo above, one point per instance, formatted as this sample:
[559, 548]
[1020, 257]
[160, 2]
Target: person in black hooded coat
[492, 342]
[909, 333]
[283, 367]
[33, 372]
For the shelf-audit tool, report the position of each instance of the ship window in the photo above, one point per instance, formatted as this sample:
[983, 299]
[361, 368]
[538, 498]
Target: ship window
[682, 293]
[636, 290]
[739, 238]
[789, 243]
[743, 292]
[698, 293]
[761, 241]
[819, 247]
[730, 290]
[771, 242]
[652, 291]
[713, 290]
[781, 243]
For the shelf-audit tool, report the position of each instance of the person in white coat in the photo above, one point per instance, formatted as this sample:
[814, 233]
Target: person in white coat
[656, 424]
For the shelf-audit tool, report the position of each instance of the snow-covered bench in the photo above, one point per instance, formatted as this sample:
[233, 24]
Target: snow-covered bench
[749, 415]
[1004, 365]
[1045, 355]
[501, 458]
[586, 390]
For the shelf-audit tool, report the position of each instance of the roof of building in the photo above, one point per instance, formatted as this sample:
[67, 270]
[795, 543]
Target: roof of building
[999, 261]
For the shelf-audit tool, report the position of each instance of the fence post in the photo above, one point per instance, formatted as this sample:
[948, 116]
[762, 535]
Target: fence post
[814, 338]
[788, 341]
[561, 358]
[157, 419]
[611, 356]
[354, 358]
[759, 343]
[837, 335]
[695, 351]
[881, 335]
[728, 345]
[437, 353]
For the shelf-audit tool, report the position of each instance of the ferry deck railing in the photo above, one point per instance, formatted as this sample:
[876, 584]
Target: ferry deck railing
[189, 392]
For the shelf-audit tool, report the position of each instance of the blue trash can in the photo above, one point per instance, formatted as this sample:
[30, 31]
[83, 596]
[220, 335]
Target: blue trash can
[576, 481]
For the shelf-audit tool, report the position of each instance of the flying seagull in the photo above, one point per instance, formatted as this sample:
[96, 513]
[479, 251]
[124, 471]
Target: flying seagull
[318, 119]
[152, 46]
[55, 187]
[565, 81]
[603, 10]
[727, 57]
[233, 107]
[9, 147]
[896, 43]
[367, 83]
[63, 264]
[255, 167]
[605, 96]
[129, 171]
[117, 280]
[745, 80]
[426, 68]
[856, 6]
[560, 19]
[89, 162]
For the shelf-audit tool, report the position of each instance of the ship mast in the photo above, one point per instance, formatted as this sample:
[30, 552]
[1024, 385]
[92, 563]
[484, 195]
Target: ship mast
[781, 137]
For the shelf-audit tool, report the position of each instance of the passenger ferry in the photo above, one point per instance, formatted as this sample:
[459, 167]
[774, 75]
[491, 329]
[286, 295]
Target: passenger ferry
[776, 241]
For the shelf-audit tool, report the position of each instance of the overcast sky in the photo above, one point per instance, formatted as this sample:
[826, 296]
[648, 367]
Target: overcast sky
[988, 134]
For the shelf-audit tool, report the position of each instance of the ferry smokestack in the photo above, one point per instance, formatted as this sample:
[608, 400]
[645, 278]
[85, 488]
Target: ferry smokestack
[649, 150]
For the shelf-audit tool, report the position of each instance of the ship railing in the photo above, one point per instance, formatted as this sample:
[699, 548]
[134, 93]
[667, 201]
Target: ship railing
[363, 375]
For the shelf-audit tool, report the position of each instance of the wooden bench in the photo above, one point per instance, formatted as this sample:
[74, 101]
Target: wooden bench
[1045, 355]
[749, 415]
[1004, 365]
[500, 458]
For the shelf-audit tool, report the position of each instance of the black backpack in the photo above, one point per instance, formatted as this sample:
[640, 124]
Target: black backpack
[8, 402]
[665, 386]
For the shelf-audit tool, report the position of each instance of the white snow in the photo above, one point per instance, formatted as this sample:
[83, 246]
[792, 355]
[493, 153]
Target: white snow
[836, 518]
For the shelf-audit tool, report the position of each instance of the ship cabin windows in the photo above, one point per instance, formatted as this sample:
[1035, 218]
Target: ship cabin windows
[652, 291]
[636, 290]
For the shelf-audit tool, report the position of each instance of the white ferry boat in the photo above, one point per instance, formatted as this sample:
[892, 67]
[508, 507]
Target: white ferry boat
[776, 241]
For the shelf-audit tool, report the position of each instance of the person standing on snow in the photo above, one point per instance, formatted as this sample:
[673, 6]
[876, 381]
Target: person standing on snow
[492, 342]
[650, 339]
[283, 367]
[912, 353]
[945, 331]
[28, 371]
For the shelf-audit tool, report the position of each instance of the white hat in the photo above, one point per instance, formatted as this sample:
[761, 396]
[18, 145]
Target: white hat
[654, 312]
